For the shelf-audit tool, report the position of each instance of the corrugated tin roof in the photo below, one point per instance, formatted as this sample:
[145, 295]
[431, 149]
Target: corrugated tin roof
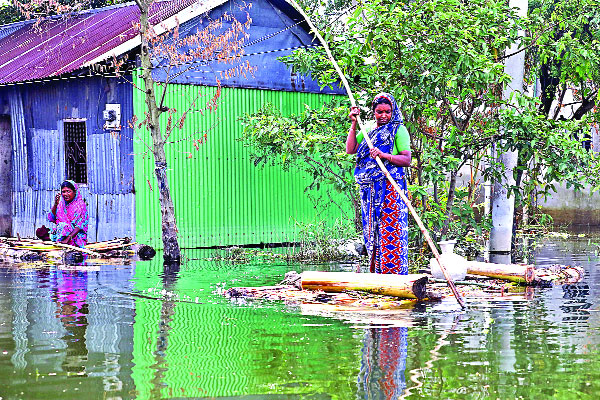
[61, 45]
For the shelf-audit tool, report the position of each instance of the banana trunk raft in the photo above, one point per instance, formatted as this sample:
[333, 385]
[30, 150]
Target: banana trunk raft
[349, 291]
[27, 250]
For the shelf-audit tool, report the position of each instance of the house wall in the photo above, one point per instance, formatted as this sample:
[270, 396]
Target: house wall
[37, 112]
[570, 207]
[220, 196]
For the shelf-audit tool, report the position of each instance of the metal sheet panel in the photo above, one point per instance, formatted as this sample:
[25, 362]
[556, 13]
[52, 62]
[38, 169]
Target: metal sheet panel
[30, 209]
[47, 172]
[103, 152]
[38, 113]
[220, 197]
[115, 216]
[19, 140]
[111, 215]
[124, 96]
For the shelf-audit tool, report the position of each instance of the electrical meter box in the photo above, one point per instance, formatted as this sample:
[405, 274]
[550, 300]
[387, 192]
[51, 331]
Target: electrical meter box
[112, 116]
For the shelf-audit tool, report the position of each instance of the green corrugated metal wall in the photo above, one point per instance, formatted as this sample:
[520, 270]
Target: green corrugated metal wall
[220, 197]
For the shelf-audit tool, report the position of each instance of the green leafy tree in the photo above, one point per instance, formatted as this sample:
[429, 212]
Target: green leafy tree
[16, 11]
[443, 61]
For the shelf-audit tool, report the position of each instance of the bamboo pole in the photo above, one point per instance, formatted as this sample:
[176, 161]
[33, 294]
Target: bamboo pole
[411, 286]
[379, 162]
[52, 244]
[101, 246]
[510, 272]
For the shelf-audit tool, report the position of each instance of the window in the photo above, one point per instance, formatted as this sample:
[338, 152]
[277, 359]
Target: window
[75, 151]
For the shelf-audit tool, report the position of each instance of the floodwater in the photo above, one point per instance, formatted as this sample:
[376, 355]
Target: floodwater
[136, 331]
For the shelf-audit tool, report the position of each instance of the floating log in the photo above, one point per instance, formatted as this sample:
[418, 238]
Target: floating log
[527, 274]
[117, 244]
[144, 251]
[74, 248]
[412, 286]
[510, 272]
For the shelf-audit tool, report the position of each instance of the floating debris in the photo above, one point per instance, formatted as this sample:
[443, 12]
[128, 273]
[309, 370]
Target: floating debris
[348, 291]
[27, 250]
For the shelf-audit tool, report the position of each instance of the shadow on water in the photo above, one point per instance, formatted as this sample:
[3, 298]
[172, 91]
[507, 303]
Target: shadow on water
[146, 330]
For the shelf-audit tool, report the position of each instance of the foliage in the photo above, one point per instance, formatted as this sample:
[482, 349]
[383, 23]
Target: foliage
[469, 227]
[565, 55]
[321, 241]
[9, 14]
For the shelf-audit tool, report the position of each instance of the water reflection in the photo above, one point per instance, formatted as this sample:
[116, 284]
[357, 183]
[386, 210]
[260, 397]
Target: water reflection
[63, 331]
[69, 292]
[383, 363]
[169, 280]
[150, 331]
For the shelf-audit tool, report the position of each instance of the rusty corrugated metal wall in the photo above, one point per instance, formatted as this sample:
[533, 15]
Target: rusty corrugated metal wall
[220, 197]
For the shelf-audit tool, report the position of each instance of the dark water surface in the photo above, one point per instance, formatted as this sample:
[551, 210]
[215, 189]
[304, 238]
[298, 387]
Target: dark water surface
[134, 331]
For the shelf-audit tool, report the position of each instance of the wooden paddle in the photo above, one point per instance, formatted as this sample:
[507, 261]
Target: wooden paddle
[434, 250]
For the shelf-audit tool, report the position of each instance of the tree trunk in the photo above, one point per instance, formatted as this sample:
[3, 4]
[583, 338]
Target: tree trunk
[172, 252]
[412, 286]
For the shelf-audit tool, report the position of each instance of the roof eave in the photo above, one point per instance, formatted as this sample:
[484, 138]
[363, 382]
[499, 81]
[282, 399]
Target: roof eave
[184, 15]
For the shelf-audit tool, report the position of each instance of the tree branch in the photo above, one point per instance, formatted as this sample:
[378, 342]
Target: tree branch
[447, 104]
[533, 43]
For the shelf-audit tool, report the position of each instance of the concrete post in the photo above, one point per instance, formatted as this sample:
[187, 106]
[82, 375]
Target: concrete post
[503, 206]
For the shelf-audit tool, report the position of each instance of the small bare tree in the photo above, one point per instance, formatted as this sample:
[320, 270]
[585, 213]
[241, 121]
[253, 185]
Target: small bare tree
[221, 40]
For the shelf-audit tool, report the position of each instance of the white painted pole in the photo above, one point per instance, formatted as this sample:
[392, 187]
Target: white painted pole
[502, 205]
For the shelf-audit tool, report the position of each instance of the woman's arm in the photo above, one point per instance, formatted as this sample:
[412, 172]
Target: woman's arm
[52, 215]
[69, 238]
[402, 160]
[351, 143]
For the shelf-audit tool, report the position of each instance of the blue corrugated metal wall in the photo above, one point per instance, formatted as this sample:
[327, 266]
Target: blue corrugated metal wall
[37, 112]
[272, 34]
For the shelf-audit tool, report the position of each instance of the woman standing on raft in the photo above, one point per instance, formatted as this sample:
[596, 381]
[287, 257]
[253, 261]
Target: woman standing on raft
[69, 212]
[384, 214]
